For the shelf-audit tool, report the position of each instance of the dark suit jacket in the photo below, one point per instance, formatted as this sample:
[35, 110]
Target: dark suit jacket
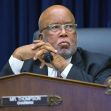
[87, 66]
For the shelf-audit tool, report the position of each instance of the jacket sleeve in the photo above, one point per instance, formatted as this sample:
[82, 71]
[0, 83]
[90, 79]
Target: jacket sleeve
[6, 70]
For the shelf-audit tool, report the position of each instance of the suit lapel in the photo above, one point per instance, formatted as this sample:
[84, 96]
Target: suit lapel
[77, 60]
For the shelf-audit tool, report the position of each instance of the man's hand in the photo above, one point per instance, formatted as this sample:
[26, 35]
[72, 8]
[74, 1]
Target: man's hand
[37, 50]
[25, 52]
[29, 51]
[58, 61]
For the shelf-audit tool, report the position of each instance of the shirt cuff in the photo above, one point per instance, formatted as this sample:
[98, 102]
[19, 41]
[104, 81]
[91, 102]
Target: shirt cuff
[65, 72]
[16, 65]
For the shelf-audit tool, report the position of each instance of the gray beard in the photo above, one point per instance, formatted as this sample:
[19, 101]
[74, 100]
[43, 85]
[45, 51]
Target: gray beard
[67, 53]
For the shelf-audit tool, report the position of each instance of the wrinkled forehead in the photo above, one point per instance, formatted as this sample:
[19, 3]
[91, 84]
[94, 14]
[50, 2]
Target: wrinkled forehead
[57, 15]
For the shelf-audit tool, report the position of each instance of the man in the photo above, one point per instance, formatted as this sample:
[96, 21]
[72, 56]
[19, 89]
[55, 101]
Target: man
[58, 36]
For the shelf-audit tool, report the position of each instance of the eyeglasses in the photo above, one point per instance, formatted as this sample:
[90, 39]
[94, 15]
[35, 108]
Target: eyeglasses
[59, 27]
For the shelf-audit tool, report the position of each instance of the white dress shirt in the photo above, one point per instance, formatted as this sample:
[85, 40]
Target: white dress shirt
[16, 66]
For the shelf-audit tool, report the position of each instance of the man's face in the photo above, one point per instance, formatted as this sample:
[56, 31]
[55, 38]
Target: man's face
[63, 41]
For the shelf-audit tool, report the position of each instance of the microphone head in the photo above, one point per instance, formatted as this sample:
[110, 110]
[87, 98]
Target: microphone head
[48, 57]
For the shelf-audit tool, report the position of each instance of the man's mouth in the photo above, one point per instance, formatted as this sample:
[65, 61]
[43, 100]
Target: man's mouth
[64, 44]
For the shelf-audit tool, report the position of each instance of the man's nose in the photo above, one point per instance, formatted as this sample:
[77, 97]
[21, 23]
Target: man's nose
[63, 31]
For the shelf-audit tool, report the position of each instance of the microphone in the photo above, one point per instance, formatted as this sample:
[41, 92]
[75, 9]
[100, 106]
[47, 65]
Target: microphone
[48, 57]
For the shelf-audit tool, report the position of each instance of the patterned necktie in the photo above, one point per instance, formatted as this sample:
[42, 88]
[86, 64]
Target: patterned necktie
[59, 74]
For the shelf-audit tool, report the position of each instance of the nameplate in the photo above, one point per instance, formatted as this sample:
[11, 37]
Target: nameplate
[36, 100]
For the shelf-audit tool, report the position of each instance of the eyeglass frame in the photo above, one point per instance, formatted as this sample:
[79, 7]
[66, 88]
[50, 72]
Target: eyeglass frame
[61, 26]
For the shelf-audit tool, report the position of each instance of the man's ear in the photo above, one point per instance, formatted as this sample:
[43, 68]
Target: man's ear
[40, 37]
